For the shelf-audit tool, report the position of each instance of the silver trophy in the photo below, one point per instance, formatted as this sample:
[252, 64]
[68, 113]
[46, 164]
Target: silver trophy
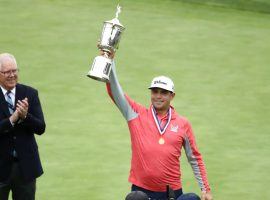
[109, 41]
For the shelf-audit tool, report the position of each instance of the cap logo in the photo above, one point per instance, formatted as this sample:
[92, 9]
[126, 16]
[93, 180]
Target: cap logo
[159, 81]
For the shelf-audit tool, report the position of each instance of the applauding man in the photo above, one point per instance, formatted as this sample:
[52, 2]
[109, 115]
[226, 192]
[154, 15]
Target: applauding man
[20, 118]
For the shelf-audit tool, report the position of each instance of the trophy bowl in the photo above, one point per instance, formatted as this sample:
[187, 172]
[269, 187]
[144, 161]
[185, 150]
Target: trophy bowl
[108, 43]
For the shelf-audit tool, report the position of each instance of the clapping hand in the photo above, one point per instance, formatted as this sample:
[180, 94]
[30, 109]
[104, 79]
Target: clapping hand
[22, 108]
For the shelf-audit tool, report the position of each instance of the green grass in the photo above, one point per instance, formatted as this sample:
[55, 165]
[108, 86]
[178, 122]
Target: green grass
[249, 5]
[218, 58]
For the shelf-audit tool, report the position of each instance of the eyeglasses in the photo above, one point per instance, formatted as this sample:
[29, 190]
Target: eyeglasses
[9, 72]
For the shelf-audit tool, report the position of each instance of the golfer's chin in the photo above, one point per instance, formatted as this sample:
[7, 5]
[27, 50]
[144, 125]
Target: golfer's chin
[158, 106]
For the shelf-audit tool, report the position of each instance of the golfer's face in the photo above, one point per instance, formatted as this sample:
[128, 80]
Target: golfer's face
[161, 99]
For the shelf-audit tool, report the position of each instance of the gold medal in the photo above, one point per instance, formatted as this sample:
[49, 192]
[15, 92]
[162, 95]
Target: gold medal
[161, 141]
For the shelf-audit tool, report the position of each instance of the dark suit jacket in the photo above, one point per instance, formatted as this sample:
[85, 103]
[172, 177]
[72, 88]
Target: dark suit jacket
[21, 136]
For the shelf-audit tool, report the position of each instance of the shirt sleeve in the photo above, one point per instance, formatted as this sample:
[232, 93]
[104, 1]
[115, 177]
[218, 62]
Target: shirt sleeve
[195, 159]
[125, 104]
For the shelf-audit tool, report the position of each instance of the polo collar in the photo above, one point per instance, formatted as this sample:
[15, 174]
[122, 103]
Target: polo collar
[154, 114]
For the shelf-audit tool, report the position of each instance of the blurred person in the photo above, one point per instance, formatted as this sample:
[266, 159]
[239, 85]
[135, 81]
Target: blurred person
[158, 134]
[21, 117]
[137, 195]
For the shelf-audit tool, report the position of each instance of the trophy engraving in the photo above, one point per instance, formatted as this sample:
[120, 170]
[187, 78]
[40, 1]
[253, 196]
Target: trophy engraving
[109, 42]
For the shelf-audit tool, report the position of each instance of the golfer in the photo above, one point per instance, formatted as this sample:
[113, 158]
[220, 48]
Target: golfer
[158, 134]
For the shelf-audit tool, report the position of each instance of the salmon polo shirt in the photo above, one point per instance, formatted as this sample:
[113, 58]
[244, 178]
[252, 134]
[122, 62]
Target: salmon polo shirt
[156, 143]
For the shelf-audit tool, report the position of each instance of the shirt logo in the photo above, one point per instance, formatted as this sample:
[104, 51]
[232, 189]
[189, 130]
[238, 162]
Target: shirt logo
[174, 128]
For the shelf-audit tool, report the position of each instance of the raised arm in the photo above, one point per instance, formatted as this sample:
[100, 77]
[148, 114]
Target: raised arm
[122, 101]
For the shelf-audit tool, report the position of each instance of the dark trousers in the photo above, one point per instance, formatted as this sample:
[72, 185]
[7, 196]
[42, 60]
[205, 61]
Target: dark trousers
[21, 190]
[156, 195]
[163, 195]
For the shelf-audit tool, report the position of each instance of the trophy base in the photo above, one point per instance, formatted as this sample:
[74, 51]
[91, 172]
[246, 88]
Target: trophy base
[100, 69]
[97, 78]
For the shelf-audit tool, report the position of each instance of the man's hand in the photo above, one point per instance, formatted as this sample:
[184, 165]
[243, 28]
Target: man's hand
[206, 196]
[107, 54]
[22, 108]
[14, 117]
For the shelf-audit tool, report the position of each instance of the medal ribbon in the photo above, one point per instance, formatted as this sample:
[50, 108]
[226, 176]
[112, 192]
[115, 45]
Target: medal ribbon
[160, 129]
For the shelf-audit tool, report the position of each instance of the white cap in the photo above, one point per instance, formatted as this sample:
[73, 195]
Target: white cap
[162, 82]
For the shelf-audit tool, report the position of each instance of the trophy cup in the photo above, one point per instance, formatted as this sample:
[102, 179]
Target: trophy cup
[109, 41]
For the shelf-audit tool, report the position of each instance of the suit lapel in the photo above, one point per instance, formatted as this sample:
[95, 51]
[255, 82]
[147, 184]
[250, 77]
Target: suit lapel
[19, 93]
[3, 104]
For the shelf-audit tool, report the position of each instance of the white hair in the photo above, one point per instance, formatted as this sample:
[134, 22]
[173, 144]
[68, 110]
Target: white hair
[4, 56]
